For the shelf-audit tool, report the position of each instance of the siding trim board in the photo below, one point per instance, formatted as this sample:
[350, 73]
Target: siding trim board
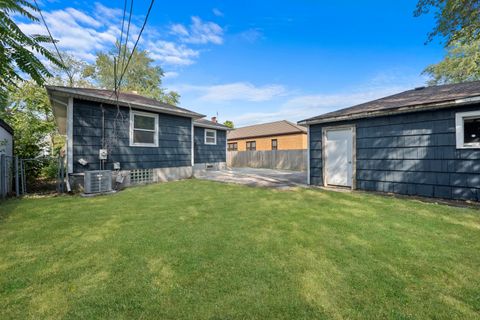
[412, 154]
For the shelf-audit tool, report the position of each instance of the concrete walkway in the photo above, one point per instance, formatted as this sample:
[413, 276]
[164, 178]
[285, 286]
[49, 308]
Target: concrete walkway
[281, 179]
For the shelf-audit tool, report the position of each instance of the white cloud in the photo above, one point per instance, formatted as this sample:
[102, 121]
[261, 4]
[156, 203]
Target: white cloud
[171, 53]
[82, 33]
[170, 75]
[238, 91]
[217, 12]
[198, 32]
[251, 35]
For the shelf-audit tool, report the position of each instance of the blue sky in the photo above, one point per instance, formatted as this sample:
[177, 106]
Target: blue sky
[257, 61]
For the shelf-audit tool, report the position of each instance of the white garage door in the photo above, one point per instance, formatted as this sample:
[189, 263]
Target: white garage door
[339, 157]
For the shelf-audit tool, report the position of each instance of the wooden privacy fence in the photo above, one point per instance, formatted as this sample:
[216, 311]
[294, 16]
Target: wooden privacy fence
[274, 159]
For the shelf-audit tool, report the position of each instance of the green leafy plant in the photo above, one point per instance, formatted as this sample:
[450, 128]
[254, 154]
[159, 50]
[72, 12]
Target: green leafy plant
[18, 51]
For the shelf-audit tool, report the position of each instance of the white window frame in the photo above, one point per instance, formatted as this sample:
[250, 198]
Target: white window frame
[214, 135]
[132, 123]
[459, 130]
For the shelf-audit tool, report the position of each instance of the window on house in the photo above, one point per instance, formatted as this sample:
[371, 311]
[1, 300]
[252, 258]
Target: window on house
[233, 146]
[251, 145]
[210, 136]
[468, 129]
[274, 144]
[143, 129]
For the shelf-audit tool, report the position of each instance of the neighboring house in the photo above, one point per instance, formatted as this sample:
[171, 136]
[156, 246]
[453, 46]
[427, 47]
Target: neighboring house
[278, 135]
[6, 139]
[423, 142]
[6, 152]
[144, 140]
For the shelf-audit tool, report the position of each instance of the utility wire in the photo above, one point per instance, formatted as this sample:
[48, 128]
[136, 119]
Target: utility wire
[136, 43]
[54, 43]
[128, 33]
[120, 45]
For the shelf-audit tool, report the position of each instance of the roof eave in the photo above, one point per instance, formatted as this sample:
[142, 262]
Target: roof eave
[202, 125]
[92, 97]
[401, 110]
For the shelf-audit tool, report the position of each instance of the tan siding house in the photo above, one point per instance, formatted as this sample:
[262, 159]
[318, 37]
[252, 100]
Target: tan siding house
[279, 135]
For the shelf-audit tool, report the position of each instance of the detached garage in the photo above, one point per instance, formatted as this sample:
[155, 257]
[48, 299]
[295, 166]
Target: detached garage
[424, 142]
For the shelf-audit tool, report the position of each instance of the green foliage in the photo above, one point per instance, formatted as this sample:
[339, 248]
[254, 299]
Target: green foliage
[141, 75]
[19, 53]
[462, 63]
[456, 20]
[75, 73]
[229, 124]
[29, 113]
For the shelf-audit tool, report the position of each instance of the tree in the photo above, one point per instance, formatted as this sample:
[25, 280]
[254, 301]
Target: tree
[75, 73]
[18, 51]
[29, 113]
[456, 20]
[141, 75]
[461, 63]
[229, 124]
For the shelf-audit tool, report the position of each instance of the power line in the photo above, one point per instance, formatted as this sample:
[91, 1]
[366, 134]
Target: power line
[120, 45]
[128, 33]
[54, 43]
[136, 43]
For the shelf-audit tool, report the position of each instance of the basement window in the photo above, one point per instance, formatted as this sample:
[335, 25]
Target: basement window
[210, 136]
[143, 129]
[467, 125]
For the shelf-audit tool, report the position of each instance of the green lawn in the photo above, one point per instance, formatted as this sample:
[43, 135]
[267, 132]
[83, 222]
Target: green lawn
[203, 250]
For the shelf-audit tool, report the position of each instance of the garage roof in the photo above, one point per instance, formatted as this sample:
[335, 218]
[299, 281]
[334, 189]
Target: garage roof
[266, 129]
[418, 99]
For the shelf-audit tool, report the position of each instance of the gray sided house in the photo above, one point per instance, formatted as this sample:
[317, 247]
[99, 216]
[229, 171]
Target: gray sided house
[6, 139]
[423, 142]
[210, 145]
[139, 138]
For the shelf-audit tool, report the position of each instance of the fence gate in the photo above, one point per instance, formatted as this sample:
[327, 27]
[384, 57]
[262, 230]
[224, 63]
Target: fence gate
[37, 175]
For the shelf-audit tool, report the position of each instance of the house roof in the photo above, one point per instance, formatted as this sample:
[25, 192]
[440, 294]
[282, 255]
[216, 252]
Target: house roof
[5, 126]
[266, 129]
[418, 99]
[124, 99]
[209, 124]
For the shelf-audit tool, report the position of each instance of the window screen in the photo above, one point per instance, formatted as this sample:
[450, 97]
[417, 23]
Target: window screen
[210, 136]
[251, 145]
[144, 129]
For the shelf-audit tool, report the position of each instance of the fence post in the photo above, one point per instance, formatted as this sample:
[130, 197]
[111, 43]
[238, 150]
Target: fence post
[3, 177]
[17, 186]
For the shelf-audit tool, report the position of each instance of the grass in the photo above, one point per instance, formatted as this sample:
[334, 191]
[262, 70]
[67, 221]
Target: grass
[203, 250]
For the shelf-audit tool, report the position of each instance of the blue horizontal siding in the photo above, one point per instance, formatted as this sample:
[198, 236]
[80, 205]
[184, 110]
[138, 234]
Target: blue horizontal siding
[412, 154]
[207, 153]
[174, 139]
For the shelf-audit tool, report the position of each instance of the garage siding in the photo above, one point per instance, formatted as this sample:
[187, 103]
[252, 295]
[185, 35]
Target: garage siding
[412, 154]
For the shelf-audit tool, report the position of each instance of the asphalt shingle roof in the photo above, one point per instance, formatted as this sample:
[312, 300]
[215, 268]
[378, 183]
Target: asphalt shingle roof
[266, 129]
[125, 99]
[423, 96]
[205, 122]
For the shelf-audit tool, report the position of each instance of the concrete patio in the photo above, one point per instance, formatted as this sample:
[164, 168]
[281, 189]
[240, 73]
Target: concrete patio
[280, 179]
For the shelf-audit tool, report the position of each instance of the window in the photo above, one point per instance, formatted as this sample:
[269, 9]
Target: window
[251, 145]
[274, 144]
[210, 136]
[143, 129]
[233, 146]
[467, 125]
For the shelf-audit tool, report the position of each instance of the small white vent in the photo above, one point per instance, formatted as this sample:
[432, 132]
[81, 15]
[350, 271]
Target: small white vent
[141, 176]
[98, 181]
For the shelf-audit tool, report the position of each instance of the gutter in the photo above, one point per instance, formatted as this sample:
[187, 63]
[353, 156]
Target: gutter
[400, 110]
[201, 125]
